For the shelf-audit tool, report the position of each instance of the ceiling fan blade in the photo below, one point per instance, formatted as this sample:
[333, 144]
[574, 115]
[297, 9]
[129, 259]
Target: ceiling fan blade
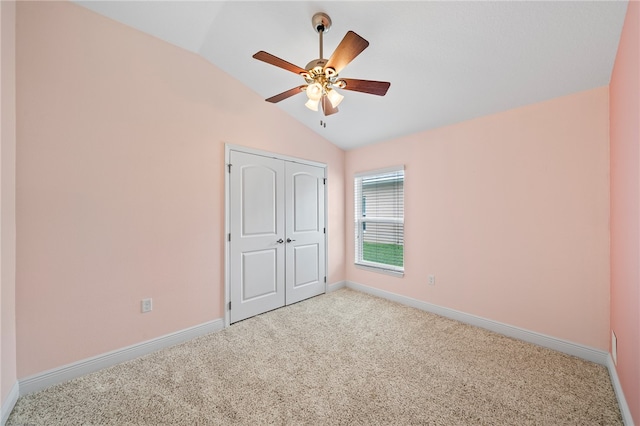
[285, 95]
[366, 86]
[274, 60]
[350, 47]
[327, 108]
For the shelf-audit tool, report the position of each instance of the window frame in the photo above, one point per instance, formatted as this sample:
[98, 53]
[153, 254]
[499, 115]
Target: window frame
[361, 219]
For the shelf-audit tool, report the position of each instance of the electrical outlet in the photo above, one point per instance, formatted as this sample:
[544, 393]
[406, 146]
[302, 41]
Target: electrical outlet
[432, 280]
[614, 347]
[147, 305]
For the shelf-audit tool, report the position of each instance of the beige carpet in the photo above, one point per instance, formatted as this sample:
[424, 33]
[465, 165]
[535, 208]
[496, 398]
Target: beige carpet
[340, 358]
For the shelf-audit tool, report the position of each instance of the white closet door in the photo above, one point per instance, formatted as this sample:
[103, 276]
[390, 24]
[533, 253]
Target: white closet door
[305, 232]
[257, 224]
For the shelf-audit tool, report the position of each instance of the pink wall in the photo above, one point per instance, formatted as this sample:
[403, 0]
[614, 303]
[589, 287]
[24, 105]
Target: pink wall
[625, 207]
[120, 183]
[510, 212]
[120, 196]
[7, 199]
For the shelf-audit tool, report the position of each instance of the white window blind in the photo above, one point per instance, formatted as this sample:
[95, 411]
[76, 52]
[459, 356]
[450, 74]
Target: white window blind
[379, 219]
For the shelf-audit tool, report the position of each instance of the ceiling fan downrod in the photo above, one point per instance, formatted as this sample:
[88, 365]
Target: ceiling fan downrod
[321, 23]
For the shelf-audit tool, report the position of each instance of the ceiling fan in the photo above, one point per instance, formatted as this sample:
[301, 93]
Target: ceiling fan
[321, 75]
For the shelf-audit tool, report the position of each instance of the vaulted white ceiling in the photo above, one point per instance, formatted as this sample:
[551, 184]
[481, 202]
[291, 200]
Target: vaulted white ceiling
[447, 61]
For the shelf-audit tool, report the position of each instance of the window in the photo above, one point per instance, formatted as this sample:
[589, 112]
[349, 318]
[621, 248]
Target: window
[379, 219]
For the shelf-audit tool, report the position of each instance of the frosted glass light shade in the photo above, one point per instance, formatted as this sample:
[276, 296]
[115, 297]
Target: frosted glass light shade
[334, 97]
[312, 104]
[314, 91]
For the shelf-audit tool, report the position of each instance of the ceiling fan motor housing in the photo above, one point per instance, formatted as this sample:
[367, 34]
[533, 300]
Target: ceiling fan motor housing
[316, 66]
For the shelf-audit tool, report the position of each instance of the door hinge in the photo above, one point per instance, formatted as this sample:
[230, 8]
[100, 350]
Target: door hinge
[229, 305]
[229, 236]
[324, 230]
[229, 167]
[324, 181]
[325, 279]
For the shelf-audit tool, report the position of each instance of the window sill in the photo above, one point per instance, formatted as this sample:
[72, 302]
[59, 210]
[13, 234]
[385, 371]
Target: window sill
[391, 272]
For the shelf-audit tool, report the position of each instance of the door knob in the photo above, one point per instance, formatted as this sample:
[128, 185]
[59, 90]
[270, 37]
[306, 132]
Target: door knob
[289, 240]
[280, 241]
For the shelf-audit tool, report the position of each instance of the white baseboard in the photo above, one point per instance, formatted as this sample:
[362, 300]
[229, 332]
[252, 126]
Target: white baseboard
[617, 387]
[89, 365]
[336, 286]
[71, 371]
[9, 403]
[584, 352]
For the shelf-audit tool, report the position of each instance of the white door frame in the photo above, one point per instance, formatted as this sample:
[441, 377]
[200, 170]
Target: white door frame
[227, 212]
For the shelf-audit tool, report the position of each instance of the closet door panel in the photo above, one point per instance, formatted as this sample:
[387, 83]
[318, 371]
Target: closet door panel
[305, 248]
[257, 223]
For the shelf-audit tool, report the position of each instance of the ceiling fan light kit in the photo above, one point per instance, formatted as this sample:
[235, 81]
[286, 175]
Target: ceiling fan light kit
[321, 75]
